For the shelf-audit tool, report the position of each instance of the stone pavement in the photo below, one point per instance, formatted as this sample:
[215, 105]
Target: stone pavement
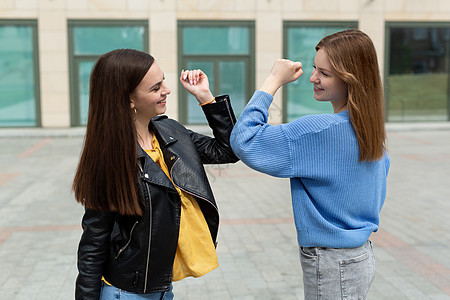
[258, 254]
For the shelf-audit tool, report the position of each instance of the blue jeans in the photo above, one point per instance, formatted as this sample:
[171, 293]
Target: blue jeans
[330, 273]
[110, 292]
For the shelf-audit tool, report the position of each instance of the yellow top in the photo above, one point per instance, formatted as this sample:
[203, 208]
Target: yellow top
[196, 254]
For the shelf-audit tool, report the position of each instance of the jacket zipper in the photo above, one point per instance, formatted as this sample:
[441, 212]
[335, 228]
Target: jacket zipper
[129, 240]
[149, 237]
[229, 112]
[149, 231]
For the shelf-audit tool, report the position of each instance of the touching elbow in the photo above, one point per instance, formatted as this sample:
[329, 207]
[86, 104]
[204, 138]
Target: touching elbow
[237, 148]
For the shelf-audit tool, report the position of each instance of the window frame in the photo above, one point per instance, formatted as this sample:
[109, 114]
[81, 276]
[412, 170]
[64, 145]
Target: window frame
[74, 60]
[33, 24]
[215, 58]
[295, 24]
[387, 59]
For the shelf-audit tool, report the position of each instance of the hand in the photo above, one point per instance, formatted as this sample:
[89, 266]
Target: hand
[196, 82]
[283, 72]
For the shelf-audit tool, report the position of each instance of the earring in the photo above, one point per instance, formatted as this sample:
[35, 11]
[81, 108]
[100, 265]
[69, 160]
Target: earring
[135, 111]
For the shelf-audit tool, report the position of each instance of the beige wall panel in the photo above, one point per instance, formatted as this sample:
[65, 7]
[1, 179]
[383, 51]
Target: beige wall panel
[52, 21]
[371, 24]
[214, 15]
[270, 41]
[158, 5]
[349, 6]
[56, 120]
[421, 6]
[54, 110]
[395, 6]
[108, 5]
[7, 5]
[269, 22]
[315, 16]
[163, 46]
[54, 61]
[51, 5]
[293, 6]
[172, 100]
[10, 14]
[205, 5]
[316, 6]
[264, 63]
[417, 17]
[371, 6]
[54, 82]
[138, 5]
[269, 5]
[276, 110]
[163, 21]
[245, 6]
[52, 40]
[26, 4]
[55, 103]
[444, 6]
[104, 15]
[268, 31]
[77, 5]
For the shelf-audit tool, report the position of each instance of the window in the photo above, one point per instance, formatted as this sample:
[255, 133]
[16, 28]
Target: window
[417, 84]
[300, 40]
[19, 80]
[88, 40]
[225, 52]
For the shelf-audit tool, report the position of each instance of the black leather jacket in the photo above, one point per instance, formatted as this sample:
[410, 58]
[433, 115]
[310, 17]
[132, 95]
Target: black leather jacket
[137, 253]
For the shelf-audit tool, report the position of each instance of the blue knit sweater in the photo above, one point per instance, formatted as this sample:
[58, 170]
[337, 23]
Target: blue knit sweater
[336, 199]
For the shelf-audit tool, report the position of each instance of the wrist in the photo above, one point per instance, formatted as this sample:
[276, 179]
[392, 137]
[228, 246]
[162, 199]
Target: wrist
[270, 85]
[205, 98]
[213, 100]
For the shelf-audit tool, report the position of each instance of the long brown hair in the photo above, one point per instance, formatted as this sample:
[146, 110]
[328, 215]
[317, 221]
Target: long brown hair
[106, 177]
[354, 59]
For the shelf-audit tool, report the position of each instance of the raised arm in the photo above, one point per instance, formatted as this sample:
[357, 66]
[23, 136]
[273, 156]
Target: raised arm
[259, 145]
[220, 116]
[283, 72]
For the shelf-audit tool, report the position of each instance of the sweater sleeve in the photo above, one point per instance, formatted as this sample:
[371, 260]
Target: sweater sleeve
[259, 145]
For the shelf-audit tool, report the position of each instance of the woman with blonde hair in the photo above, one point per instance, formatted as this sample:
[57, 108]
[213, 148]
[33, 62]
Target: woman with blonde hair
[337, 163]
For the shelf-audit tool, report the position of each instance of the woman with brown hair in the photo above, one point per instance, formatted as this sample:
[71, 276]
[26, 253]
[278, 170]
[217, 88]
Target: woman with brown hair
[150, 215]
[337, 163]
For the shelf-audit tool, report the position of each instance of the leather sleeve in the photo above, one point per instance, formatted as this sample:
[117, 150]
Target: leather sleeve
[93, 251]
[221, 119]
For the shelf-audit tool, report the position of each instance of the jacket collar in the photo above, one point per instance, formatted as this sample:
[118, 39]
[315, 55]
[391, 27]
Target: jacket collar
[165, 138]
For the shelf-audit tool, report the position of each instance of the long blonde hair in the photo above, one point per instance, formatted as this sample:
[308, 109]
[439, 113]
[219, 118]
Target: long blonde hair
[353, 57]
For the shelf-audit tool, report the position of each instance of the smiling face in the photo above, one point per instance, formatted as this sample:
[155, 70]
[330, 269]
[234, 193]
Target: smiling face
[327, 85]
[149, 97]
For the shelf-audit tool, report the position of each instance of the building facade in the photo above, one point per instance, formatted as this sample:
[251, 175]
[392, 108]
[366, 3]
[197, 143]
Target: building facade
[48, 47]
